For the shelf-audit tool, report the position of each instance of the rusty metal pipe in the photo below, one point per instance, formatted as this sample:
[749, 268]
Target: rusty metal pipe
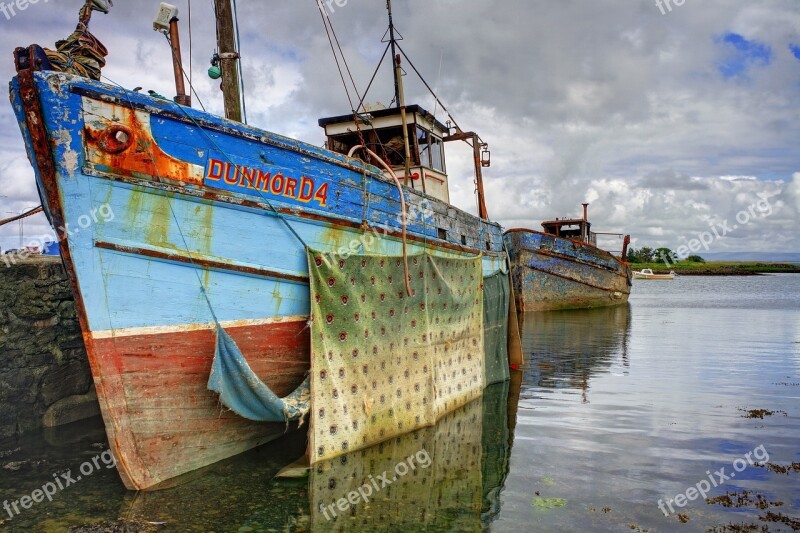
[403, 213]
[177, 64]
[476, 153]
[625, 243]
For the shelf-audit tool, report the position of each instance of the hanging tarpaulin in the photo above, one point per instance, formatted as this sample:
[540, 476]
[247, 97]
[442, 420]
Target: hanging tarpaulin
[384, 363]
[243, 392]
[496, 297]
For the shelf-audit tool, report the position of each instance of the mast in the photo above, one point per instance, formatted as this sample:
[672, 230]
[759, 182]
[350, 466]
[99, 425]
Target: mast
[229, 59]
[399, 96]
[392, 43]
[401, 101]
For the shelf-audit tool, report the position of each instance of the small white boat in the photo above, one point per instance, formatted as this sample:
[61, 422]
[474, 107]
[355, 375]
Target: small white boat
[647, 273]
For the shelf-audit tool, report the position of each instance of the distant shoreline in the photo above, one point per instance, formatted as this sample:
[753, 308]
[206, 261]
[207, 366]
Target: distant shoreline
[721, 268]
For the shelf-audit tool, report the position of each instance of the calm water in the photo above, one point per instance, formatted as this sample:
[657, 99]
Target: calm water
[615, 410]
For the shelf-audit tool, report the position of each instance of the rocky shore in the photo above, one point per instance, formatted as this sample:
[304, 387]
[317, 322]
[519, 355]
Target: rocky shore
[44, 373]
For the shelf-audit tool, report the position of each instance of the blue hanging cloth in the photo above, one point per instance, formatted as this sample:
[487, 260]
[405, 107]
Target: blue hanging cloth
[241, 390]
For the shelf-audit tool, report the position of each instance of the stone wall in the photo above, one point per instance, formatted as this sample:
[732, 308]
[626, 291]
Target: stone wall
[44, 372]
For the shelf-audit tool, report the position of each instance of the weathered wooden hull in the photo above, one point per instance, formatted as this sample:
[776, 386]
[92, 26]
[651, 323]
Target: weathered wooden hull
[161, 414]
[175, 219]
[552, 273]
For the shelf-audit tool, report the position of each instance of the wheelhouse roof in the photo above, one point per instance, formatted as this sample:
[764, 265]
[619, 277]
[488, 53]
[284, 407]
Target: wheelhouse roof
[379, 113]
[565, 222]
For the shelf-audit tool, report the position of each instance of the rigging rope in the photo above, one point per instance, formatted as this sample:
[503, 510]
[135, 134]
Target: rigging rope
[189, 2]
[458, 128]
[240, 69]
[374, 74]
[185, 76]
[402, 207]
[26, 214]
[335, 56]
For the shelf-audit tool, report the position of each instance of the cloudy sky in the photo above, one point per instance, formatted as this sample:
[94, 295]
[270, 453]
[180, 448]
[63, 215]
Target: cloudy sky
[669, 120]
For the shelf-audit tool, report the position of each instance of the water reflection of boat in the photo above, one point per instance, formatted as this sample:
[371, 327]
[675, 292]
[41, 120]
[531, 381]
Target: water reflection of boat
[565, 349]
[461, 467]
[459, 490]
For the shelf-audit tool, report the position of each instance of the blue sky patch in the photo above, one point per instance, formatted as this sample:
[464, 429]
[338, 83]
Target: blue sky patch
[742, 54]
[795, 48]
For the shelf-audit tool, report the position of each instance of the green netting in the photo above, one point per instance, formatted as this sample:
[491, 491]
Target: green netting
[384, 363]
[496, 295]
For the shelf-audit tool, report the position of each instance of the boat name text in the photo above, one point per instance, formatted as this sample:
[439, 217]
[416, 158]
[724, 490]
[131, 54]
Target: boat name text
[243, 179]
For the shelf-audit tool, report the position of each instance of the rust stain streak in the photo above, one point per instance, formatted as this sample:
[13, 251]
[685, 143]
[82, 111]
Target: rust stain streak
[572, 259]
[334, 222]
[128, 146]
[178, 117]
[574, 280]
[577, 243]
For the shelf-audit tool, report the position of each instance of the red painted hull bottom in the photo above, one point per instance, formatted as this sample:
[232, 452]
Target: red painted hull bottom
[161, 420]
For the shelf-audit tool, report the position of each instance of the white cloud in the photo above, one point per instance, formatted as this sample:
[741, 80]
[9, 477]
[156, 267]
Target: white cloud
[605, 101]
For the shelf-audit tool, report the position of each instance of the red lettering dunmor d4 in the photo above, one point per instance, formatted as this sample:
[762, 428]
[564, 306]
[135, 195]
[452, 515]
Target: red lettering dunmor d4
[252, 179]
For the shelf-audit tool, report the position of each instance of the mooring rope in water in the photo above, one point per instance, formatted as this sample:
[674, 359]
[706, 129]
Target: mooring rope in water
[383, 163]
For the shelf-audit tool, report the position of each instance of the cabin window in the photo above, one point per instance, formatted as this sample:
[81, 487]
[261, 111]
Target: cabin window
[388, 143]
[431, 150]
[393, 146]
[464, 240]
[437, 154]
[442, 233]
[424, 147]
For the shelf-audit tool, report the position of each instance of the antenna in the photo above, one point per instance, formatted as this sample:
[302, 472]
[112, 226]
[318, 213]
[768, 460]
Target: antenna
[392, 43]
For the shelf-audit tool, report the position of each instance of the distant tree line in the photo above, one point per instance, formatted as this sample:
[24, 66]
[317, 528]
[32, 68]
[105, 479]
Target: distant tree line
[645, 254]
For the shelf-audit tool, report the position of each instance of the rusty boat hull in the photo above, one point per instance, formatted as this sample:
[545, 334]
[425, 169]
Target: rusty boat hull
[172, 219]
[552, 273]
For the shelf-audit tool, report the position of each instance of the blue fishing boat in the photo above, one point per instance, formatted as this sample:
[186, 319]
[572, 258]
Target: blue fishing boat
[175, 223]
[562, 267]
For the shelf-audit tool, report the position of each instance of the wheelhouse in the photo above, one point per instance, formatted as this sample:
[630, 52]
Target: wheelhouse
[381, 130]
[579, 229]
[575, 228]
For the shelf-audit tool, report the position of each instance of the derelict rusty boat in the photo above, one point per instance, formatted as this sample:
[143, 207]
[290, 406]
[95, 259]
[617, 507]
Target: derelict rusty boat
[562, 267]
[207, 251]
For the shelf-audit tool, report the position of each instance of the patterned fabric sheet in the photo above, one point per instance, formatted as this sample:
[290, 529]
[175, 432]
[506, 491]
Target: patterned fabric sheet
[384, 363]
